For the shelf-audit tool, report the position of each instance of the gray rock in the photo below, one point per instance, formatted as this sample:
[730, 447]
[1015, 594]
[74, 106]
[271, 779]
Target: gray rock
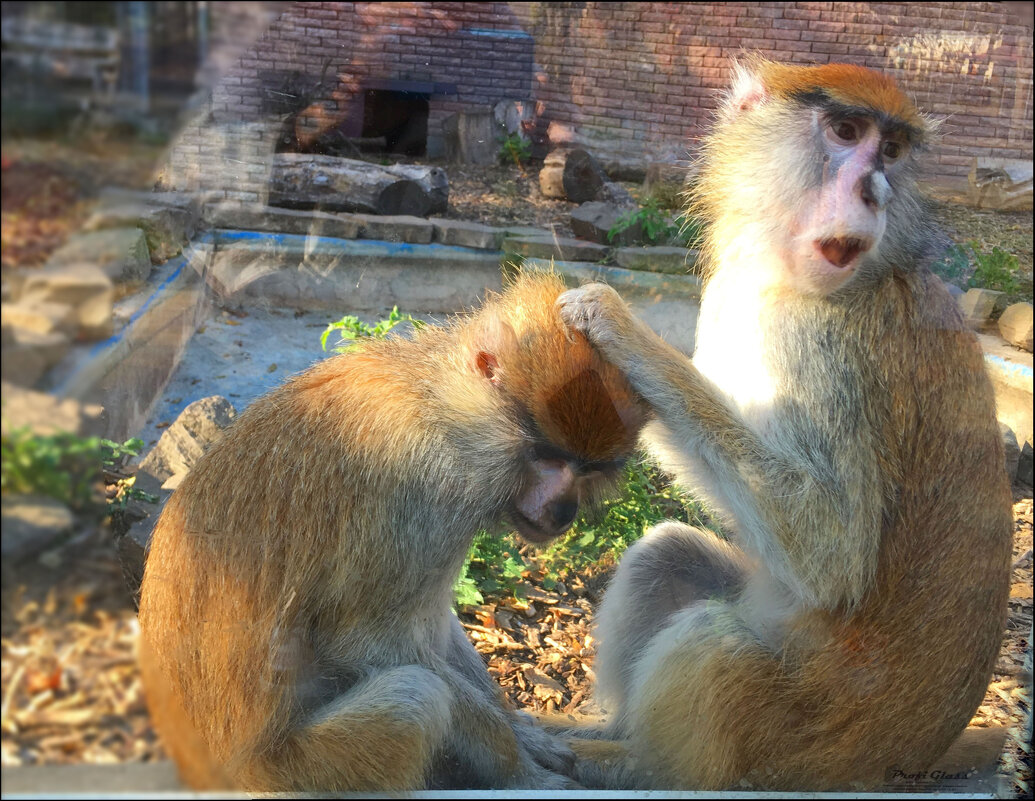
[166, 228]
[594, 220]
[1015, 325]
[1012, 450]
[978, 306]
[42, 413]
[677, 261]
[1024, 465]
[31, 523]
[560, 248]
[617, 195]
[121, 253]
[198, 427]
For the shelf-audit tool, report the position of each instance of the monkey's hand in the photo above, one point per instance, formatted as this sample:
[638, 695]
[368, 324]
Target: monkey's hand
[547, 750]
[597, 311]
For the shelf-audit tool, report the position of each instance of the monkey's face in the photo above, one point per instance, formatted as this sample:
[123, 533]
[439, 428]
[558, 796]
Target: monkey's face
[555, 487]
[842, 219]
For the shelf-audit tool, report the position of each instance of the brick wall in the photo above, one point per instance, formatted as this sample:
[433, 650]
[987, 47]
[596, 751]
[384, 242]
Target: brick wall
[639, 79]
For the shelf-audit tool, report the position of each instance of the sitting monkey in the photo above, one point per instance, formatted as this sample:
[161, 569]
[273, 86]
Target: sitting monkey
[837, 411]
[296, 623]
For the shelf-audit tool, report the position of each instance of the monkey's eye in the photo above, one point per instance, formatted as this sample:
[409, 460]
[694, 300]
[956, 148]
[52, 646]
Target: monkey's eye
[891, 151]
[846, 130]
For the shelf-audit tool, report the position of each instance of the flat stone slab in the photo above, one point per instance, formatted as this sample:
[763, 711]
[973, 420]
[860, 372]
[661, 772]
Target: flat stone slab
[560, 248]
[467, 234]
[395, 228]
[282, 221]
[673, 260]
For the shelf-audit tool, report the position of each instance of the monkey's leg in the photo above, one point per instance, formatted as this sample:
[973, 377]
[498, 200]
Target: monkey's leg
[672, 566]
[504, 748]
[380, 735]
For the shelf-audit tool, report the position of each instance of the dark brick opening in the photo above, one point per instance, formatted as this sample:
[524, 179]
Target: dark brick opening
[400, 116]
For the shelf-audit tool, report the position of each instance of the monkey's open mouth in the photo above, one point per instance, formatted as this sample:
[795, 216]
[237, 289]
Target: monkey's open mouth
[842, 251]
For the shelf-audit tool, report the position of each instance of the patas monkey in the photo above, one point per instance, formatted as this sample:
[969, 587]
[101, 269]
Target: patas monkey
[295, 613]
[838, 412]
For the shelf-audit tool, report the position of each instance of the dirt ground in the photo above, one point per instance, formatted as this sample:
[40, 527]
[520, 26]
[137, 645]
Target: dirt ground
[71, 690]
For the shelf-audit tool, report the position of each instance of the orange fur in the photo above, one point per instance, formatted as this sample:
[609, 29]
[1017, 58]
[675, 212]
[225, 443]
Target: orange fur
[295, 612]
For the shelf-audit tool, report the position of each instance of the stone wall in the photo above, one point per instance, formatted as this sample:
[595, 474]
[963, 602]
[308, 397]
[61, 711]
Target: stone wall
[639, 79]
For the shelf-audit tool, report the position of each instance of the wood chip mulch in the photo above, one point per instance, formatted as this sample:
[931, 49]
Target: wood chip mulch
[72, 691]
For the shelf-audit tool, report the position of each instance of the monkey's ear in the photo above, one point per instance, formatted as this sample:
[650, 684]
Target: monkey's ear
[488, 366]
[747, 92]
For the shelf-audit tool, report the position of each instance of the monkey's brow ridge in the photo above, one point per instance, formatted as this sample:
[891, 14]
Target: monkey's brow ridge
[886, 123]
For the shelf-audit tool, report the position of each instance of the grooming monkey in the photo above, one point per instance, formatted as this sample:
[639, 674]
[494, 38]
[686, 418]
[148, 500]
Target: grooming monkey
[295, 612]
[838, 413]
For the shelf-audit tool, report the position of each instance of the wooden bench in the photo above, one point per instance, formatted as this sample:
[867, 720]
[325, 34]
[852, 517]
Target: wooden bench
[63, 50]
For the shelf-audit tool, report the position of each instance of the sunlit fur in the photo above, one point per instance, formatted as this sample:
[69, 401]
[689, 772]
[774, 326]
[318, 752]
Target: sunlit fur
[846, 430]
[296, 623]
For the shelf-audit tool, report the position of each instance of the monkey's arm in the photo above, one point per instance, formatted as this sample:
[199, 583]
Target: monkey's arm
[539, 754]
[792, 510]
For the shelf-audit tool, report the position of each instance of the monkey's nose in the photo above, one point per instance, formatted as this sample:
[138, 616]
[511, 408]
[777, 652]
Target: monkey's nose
[563, 513]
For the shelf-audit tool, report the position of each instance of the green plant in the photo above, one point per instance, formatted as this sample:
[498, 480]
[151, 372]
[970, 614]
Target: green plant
[513, 147]
[657, 226]
[493, 567]
[996, 270]
[352, 330]
[63, 466]
[954, 265]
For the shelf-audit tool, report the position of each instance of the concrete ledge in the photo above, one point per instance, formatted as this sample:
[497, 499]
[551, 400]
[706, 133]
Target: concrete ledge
[356, 275]
[667, 303]
[127, 372]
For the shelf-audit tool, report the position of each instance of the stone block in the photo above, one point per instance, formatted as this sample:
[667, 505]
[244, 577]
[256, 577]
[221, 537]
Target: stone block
[560, 248]
[467, 234]
[166, 228]
[271, 219]
[1015, 325]
[594, 220]
[121, 253]
[27, 355]
[665, 182]
[978, 306]
[84, 287]
[395, 228]
[31, 523]
[676, 261]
